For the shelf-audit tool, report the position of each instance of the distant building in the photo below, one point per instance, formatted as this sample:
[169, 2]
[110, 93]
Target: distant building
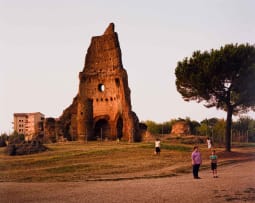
[29, 124]
[19, 122]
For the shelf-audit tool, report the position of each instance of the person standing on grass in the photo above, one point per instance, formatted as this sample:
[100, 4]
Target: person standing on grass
[196, 161]
[213, 159]
[157, 147]
[209, 143]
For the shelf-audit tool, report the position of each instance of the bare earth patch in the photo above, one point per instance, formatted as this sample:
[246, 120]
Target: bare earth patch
[236, 183]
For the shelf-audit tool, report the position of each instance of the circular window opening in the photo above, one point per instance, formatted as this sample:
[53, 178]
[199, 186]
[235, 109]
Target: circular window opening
[101, 87]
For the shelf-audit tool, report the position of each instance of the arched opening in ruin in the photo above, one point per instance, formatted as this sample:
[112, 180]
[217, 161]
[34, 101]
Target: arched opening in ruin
[102, 129]
[119, 128]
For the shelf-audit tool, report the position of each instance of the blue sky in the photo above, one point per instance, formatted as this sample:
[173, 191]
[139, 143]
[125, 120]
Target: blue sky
[43, 46]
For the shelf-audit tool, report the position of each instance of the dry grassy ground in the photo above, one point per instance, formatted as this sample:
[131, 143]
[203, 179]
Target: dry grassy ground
[108, 161]
[125, 172]
[236, 183]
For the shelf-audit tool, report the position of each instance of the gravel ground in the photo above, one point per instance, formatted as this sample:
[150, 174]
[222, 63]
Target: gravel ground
[236, 183]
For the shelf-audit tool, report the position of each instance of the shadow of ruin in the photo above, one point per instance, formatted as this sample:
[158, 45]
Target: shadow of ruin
[102, 108]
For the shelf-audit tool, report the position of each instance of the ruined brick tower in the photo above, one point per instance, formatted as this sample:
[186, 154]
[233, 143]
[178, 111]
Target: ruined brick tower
[102, 109]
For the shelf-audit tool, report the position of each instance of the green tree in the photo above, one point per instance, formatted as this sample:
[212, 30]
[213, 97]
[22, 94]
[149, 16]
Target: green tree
[251, 131]
[219, 130]
[213, 128]
[203, 129]
[244, 127]
[194, 126]
[16, 138]
[221, 78]
[153, 127]
[166, 127]
[3, 139]
[158, 128]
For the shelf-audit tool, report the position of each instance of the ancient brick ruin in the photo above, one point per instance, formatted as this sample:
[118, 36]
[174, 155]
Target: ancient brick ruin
[102, 108]
[180, 128]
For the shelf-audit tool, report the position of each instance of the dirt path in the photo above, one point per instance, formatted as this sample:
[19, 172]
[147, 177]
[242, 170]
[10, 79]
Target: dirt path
[236, 183]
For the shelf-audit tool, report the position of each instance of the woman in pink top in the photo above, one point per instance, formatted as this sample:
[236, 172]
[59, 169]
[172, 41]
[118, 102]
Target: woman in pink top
[196, 161]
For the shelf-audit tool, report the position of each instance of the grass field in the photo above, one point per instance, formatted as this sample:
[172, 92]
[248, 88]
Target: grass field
[73, 161]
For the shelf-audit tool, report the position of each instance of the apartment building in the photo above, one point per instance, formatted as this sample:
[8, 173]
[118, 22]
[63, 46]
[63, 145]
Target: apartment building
[29, 124]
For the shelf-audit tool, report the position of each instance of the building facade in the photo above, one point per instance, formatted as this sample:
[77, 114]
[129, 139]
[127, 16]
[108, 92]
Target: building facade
[28, 124]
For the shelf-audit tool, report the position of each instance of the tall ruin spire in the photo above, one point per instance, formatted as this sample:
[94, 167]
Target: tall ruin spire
[102, 107]
[109, 29]
[104, 51]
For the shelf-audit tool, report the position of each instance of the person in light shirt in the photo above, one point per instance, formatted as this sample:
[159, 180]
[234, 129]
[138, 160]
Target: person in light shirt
[157, 147]
[196, 161]
[209, 143]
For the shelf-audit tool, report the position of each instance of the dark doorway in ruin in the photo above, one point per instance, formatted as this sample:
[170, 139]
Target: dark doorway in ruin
[102, 129]
[119, 128]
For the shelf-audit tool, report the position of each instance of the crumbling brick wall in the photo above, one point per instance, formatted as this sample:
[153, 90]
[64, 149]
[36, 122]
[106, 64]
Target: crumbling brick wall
[102, 108]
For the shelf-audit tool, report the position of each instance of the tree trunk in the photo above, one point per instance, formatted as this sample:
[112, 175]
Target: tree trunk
[228, 128]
